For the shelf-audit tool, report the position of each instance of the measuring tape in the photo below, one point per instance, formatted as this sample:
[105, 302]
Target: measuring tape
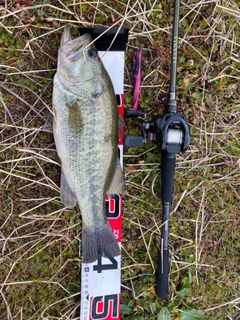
[101, 280]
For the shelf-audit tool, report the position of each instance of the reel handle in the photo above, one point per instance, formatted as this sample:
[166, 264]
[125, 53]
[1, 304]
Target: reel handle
[133, 141]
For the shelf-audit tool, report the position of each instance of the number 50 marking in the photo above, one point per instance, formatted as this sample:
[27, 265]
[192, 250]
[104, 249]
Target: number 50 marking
[105, 307]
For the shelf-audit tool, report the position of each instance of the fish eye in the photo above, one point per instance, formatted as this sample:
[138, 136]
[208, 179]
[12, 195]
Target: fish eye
[92, 53]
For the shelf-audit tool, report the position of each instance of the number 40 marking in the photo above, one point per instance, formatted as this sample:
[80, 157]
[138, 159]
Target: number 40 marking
[99, 267]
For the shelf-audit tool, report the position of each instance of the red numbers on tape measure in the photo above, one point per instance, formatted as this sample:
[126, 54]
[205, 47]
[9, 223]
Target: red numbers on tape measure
[105, 307]
[113, 206]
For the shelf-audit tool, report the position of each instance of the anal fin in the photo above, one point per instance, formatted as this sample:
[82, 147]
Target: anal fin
[117, 184]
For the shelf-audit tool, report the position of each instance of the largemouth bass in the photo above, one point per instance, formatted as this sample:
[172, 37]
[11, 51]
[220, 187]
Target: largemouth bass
[85, 126]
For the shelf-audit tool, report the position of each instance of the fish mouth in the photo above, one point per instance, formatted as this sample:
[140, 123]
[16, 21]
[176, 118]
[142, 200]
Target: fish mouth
[73, 47]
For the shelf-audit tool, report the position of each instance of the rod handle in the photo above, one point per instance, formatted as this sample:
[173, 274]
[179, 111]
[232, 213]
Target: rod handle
[168, 163]
[162, 283]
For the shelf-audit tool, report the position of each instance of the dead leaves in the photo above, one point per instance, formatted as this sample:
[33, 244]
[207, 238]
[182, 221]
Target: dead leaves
[19, 4]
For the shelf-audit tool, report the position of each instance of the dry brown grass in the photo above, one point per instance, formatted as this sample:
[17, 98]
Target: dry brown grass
[39, 239]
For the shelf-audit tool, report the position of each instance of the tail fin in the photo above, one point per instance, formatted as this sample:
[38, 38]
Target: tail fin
[95, 241]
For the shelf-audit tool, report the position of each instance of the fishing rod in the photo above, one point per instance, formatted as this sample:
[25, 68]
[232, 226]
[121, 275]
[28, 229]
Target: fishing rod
[171, 134]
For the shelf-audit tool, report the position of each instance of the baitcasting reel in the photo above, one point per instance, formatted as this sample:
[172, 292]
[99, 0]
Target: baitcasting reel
[170, 132]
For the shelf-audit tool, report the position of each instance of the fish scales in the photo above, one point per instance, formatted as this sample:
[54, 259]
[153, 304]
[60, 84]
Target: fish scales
[86, 134]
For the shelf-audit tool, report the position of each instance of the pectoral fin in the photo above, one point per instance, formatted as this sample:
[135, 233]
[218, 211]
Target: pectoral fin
[117, 185]
[67, 196]
[97, 90]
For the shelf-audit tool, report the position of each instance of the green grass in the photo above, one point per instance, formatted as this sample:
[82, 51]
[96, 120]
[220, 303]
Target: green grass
[39, 240]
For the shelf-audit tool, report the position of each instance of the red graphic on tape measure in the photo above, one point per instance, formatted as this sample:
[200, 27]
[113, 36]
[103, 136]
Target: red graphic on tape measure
[113, 212]
[104, 307]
